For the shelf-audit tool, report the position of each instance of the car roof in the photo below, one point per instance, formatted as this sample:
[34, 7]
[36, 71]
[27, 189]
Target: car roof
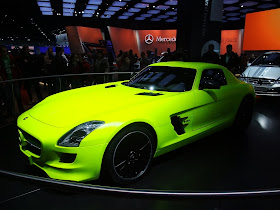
[272, 52]
[192, 65]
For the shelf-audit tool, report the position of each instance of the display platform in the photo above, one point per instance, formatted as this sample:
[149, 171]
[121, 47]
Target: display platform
[226, 161]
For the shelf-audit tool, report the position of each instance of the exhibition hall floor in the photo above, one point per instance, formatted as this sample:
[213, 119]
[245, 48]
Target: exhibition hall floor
[224, 162]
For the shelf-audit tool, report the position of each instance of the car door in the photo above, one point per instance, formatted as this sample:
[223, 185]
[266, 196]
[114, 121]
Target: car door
[212, 105]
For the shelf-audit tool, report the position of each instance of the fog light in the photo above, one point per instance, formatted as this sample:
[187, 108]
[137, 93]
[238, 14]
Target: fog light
[67, 158]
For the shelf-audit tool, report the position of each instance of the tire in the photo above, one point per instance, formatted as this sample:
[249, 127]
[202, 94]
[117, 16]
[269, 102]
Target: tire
[244, 114]
[128, 156]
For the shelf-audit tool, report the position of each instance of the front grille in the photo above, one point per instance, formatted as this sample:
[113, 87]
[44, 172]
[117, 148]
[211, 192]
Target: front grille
[32, 144]
[261, 81]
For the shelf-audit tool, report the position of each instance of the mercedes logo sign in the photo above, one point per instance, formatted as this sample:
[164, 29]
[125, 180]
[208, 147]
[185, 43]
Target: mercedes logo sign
[149, 39]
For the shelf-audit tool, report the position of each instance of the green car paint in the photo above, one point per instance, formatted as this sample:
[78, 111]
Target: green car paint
[201, 112]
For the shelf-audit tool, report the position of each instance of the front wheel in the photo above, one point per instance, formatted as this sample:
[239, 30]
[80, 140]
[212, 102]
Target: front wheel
[244, 114]
[128, 155]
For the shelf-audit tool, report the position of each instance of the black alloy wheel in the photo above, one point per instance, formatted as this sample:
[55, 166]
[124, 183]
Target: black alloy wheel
[244, 114]
[129, 155]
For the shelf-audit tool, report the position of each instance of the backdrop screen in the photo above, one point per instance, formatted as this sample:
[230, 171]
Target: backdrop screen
[262, 31]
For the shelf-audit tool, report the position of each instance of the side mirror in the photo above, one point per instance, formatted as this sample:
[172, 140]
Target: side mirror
[208, 84]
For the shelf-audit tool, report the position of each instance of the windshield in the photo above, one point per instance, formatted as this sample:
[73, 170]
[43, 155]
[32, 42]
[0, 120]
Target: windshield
[268, 59]
[164, 78]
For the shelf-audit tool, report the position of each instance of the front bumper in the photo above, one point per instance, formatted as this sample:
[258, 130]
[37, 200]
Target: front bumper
[66, 163]
[267, 90]
[263, 86]
[86, 166]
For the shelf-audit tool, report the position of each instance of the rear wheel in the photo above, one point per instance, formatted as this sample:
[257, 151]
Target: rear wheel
[244, 114]
[128, 155]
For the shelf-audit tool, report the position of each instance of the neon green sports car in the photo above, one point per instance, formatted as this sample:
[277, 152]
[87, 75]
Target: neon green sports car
[114, 130]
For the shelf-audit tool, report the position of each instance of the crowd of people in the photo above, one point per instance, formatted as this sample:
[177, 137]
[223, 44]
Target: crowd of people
[23, 64]
[236, 64]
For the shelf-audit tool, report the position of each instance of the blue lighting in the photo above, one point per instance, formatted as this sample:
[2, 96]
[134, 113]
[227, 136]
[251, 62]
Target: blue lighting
[139, 18]
[233, 14]
[96, 2]
[170, 20]
[128, 14]
[234, 18]
[171, 13]
[91, 7]
[87, 15]
[171, 2]
[162, 7]
[149, 1]
[47, 13]
[155, 19]
[247, 10]
[44, 4]
[249, 3]
[114, 8]
[109, 13]
[231, 8]
[266, 6]
[46, 9]
[68, 10]
[163, 16]
[153, 11]
[67, 14]
[134, 10]
[230, 1]
[67, 5]
[146, 15]
[141, 5]
[105, 16]
[70, 1]
[89, 11]
[119, 3]
[123, 17]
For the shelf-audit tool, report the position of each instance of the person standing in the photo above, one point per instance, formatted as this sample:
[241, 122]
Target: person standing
[123, 64]
[75, 67]
[101, 66]
[59, 67]
[132, 60]
[9, 70]
[143, 61]
[230, 60]
[210, 56]
[28, 65]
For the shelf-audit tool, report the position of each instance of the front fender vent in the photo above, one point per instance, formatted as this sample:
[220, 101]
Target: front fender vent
[177, 124]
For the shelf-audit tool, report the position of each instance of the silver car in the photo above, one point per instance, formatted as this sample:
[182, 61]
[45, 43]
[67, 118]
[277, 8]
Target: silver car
[264, 74]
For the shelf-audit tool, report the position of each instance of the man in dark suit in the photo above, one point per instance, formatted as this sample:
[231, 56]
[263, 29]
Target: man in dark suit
[230, 60]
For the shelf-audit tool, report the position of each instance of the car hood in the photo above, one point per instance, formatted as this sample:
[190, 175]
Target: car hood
[91, 103]
[271, 72]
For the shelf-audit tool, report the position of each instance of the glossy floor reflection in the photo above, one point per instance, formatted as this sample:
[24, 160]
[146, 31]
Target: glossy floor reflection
[224, 161]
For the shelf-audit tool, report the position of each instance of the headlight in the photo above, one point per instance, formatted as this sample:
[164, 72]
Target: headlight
[277, 81]
[243, 78]
[74, 137]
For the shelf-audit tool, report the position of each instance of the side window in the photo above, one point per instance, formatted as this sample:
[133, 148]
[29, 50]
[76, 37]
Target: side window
[213, 75]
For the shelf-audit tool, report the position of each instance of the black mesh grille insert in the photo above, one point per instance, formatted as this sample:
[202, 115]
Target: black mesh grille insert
[33, 145]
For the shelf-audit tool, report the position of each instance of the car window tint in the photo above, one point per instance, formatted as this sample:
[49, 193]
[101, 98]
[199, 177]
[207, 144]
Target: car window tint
[164, 78]
[214, 75]
[268, 59]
